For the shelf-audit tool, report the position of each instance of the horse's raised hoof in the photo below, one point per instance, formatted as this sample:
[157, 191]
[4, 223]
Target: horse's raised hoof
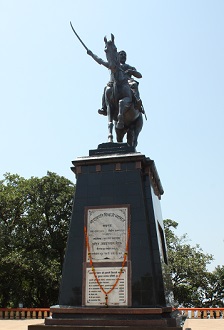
[102, 112]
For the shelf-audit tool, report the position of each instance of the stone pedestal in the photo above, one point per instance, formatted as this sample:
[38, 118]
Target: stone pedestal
[114, 271]
[68, 318]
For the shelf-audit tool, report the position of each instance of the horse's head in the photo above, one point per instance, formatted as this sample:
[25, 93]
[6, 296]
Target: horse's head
[111, 53]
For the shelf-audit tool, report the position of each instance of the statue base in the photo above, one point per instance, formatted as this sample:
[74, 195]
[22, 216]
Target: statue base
[68, 318]
[117, 196]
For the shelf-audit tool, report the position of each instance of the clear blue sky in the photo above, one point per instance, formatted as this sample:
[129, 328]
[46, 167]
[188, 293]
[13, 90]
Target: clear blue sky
[51, 90]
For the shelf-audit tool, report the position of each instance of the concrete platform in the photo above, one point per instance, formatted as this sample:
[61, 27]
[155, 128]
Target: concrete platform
[206, 324]
[193, 324]
[18, 324]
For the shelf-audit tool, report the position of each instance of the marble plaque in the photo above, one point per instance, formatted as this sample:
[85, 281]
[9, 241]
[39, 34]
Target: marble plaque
[107, 277]
[107, 230]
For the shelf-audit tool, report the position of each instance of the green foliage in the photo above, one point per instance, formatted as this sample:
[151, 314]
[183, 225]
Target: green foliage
[188, 267]
[212, 288]
[34, 219]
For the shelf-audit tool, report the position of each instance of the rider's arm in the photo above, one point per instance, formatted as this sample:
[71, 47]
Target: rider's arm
[132, 71]
[97, 59]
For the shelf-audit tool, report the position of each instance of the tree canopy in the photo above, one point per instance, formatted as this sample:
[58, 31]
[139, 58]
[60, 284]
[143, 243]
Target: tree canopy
[193, 284]
[34, 220]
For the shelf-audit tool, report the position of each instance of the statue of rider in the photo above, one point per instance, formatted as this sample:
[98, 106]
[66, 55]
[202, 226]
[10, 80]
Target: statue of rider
[129, 71]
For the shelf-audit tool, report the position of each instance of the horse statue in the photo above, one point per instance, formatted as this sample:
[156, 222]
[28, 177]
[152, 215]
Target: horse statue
[122, 110]
[121, 106]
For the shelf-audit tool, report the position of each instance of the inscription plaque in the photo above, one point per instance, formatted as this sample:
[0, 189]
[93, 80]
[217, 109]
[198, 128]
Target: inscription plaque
[107, 276]
[107, 230]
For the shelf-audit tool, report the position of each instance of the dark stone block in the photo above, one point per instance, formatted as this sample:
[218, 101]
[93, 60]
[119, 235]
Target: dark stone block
[70, 318]
[124, 178]
[111, 148]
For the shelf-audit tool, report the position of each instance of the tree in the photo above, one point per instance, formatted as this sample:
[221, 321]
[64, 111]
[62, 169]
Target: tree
[212, 288]
[187, 266]
[34, 219]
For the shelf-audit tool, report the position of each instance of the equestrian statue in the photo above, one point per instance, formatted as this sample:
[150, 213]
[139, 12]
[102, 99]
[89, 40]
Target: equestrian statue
[121, 101]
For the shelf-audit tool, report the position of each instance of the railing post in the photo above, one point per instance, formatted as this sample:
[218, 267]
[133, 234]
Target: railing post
[39, 315]
[11, 315]
[17, 315]
[34, 315]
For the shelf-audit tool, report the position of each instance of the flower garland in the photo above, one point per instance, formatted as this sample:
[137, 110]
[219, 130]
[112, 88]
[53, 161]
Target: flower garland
[94, 271]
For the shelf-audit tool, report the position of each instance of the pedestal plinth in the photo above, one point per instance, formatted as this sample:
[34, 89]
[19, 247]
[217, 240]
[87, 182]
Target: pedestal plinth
[68, 318]
[115, 264]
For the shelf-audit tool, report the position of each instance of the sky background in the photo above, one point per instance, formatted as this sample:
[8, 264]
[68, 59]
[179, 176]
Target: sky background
[50, 90]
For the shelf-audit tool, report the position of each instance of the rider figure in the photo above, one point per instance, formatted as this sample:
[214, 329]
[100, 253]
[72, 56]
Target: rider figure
[129, 71]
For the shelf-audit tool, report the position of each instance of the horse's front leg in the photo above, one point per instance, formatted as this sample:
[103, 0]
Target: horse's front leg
[123, 103]
[110, 124]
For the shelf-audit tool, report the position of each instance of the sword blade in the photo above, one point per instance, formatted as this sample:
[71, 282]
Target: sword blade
[78, 37]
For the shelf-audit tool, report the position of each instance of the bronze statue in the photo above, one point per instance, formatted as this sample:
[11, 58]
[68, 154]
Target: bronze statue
[130, 71]
[121, 101]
